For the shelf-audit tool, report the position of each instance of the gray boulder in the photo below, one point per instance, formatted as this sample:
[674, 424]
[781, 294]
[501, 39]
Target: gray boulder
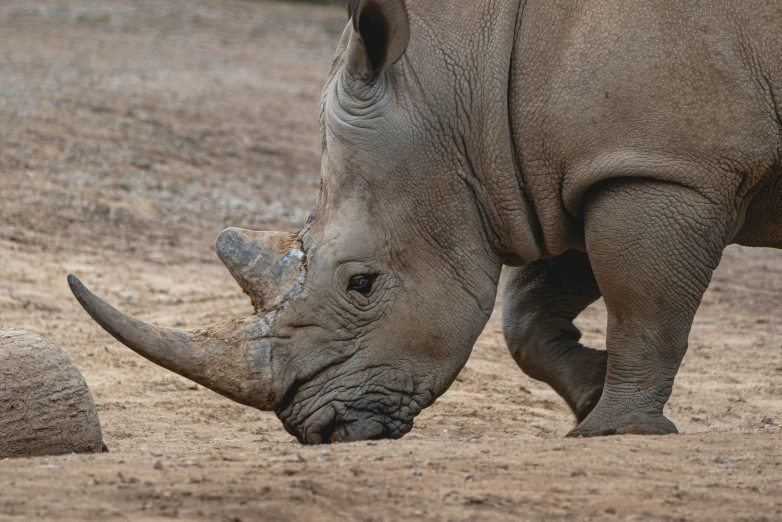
[45, 405]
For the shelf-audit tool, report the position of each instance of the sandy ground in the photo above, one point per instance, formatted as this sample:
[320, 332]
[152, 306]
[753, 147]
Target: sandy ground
[132, 132]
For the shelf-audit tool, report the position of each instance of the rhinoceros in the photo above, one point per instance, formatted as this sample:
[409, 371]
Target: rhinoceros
[602, 148]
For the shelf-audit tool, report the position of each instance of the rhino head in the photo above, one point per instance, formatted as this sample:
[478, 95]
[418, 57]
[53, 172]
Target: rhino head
[368, 314]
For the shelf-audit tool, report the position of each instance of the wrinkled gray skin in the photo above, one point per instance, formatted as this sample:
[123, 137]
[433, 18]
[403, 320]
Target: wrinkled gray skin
[603, 148]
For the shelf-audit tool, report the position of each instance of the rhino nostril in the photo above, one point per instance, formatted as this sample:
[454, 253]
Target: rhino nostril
[338, 431]
[333, 432]
[354, 430]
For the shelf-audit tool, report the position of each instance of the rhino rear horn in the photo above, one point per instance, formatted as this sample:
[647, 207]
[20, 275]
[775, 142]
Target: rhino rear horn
[267, 265]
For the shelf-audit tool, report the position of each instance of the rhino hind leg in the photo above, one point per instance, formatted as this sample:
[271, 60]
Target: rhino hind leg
[653, 248]
[541, 300]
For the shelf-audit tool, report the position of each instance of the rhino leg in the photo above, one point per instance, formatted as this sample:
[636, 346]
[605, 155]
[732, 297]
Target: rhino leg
[653, 248]
[540, 302]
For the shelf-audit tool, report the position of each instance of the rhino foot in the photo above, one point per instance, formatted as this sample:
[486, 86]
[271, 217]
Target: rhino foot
[635, 423]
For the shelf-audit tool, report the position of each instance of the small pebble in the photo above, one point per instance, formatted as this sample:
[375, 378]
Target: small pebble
[158, 465]
[417, 473]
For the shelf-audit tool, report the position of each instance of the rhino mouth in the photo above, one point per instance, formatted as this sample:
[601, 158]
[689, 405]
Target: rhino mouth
[313, 420]
[340, 429]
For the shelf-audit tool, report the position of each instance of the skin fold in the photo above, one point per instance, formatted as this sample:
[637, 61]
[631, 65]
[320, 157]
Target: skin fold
[595, 148]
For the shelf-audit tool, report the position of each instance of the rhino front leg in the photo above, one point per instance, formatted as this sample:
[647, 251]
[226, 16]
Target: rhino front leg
[540, 301]
[653, 248]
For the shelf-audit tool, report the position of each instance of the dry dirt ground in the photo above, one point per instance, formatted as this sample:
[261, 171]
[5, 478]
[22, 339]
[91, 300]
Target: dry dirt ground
[132, 132]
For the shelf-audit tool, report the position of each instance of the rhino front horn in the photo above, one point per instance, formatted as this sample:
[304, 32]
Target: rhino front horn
[267, 265]
[231, 358]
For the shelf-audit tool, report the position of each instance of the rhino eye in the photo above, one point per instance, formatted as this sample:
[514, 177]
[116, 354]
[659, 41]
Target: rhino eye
[361, 283]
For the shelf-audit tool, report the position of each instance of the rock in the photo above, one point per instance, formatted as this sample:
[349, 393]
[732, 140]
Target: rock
[45, 405]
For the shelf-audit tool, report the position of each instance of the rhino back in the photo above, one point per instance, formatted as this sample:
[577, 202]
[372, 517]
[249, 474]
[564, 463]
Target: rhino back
[687, 92]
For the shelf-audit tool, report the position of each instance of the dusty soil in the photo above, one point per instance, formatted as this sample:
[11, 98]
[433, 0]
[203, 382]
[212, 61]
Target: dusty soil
[132, 132]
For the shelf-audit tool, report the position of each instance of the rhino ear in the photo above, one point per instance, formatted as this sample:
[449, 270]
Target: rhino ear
[381, 31]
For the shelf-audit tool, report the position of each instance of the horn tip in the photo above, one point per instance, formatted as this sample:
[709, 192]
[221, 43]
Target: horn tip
[75, 285]
[224, 237]
[231, 246]
[80, 292]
